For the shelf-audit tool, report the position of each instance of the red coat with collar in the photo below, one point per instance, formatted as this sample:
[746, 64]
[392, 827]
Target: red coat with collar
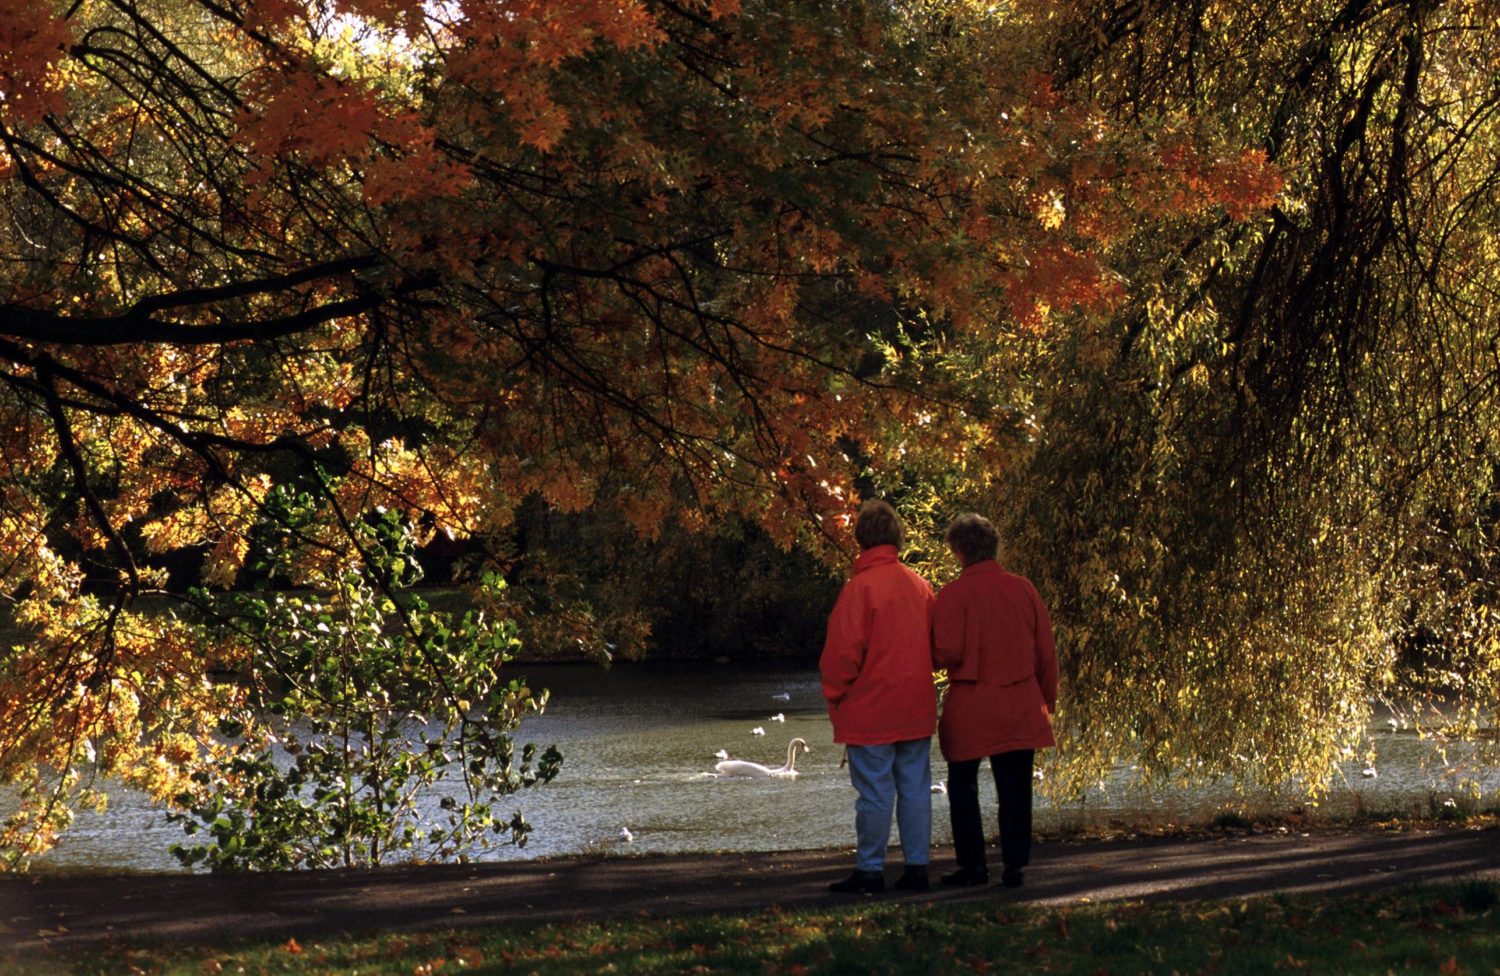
[992, 633]
[877, 659]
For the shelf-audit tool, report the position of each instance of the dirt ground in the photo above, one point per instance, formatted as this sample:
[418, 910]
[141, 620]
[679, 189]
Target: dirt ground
[61, 912]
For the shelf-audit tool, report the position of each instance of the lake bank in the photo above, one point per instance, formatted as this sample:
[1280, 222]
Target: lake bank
[640, 740]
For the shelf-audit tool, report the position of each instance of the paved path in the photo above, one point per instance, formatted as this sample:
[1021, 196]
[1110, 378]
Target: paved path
[65, 911]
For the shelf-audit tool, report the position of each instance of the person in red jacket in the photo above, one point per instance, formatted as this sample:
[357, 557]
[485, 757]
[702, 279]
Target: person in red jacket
[877, 677]
[992, 633]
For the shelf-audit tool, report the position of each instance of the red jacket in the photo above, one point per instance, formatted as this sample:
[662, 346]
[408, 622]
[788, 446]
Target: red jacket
[877, 660]
[992, 633]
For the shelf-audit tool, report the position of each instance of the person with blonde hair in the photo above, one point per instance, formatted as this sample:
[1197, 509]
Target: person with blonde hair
[877, 678]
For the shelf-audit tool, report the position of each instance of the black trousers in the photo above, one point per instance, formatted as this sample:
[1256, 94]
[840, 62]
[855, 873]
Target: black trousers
[1012, 771]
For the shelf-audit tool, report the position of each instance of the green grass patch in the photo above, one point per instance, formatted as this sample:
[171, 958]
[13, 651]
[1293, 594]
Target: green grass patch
[1455, 930]
[1418, 814]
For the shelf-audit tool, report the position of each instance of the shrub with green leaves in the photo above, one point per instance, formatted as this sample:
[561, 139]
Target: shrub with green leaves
[374, 727]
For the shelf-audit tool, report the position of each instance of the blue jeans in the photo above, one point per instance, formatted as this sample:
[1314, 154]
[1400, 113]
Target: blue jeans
[895, 777]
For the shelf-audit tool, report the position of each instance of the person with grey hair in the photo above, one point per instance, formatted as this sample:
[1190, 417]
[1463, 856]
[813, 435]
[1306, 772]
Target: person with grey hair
[992, 633]
[877, 678]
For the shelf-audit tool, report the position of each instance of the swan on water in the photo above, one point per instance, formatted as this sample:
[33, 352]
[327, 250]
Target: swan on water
[1369, 772]
[721, 754]
[941, 787]
[778, 717]
[626, 835]
[731, 768]
[757, 731]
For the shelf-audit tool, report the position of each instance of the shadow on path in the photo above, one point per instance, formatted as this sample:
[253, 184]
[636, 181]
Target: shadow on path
[73, 911]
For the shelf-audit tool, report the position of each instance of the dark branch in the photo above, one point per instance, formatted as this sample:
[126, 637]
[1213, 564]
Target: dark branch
[140, 325]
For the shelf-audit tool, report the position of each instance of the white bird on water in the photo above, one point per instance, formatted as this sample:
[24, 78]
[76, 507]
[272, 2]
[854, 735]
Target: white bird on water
[757, 731]
[940, 787]
[743, 769]
[721, 754]
[778, 717]
[781, 696]
[1369, 772]
[626, 835]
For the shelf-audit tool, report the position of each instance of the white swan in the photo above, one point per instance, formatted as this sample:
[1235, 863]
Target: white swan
[757, 731]
[721, 754]
[778, 717]
[731, 768]
[625, 835]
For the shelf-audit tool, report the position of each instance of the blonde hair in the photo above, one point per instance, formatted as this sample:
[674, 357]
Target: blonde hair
[878, 525]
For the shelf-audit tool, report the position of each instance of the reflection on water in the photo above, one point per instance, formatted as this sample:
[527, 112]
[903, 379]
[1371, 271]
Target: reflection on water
[639, 743]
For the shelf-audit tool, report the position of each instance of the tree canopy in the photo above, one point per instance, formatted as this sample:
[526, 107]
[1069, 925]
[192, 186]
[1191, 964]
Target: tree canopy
[1266, 495]
[1194, 314]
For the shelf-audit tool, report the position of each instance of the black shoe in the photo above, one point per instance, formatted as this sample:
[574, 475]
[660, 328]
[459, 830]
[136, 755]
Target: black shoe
[860, 883]
[914, 878]
[966, 877]
[1011, 879]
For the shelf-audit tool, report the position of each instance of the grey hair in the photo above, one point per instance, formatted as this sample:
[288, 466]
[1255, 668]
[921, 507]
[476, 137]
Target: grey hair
[974, 537]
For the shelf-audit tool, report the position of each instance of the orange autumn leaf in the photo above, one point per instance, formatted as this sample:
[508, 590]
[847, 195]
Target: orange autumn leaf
[33, 43]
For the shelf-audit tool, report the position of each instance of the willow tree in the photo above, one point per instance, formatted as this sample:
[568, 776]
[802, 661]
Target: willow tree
[1261, 491]
[275, 274]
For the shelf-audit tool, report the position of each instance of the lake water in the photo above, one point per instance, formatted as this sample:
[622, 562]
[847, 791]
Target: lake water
[639, 744]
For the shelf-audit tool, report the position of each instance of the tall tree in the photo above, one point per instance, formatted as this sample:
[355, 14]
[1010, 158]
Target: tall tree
[270, 268]
[1266, 496]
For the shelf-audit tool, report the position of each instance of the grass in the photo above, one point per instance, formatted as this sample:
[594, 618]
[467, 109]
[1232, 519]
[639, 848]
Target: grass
[1455, 929]
[1417, 815]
